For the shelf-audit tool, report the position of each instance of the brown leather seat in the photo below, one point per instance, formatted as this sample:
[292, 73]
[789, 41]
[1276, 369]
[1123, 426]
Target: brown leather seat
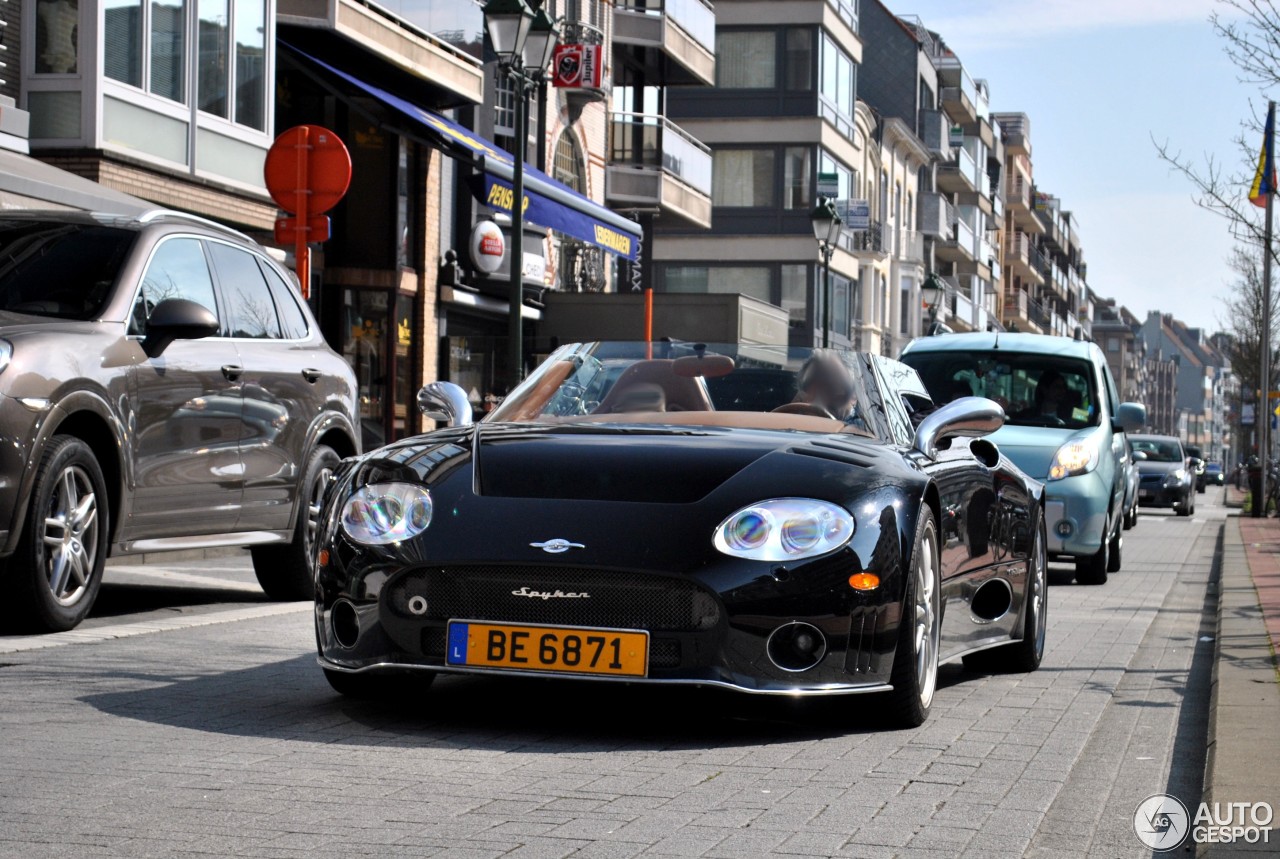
[680, 393]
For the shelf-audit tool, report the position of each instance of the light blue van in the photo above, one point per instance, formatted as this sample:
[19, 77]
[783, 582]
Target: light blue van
[1064, 425]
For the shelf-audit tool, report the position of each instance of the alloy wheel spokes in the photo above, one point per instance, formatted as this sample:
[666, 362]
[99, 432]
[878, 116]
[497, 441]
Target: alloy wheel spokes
[70, 536]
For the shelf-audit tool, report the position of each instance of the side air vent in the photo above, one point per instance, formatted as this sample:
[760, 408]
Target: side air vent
[848, 454]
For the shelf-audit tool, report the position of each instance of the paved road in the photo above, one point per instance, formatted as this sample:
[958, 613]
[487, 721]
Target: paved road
[200, 725]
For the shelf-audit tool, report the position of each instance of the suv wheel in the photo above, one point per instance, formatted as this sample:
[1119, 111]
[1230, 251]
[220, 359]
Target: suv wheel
[285, 572]
[58, 566]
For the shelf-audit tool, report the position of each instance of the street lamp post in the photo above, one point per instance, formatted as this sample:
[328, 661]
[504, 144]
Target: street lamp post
[932, 292]
[524, 38]
[826, 229]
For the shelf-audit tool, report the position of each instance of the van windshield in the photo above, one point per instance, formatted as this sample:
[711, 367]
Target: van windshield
[1034, 389]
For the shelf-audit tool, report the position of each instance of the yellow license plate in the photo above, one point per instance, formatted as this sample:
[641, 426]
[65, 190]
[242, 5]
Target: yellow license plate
[555, 649]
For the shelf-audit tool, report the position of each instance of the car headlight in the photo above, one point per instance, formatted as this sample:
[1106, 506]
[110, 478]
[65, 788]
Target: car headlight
[382, 513]
[784, 529]
[1079, 456]
[1173, 478]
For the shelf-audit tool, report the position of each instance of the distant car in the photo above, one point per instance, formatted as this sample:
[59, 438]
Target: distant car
[706, 516]
[164, 388]
[1168, 479]
[1131, 481]
[1065, 426]
[1213, 474]
[1196, 463]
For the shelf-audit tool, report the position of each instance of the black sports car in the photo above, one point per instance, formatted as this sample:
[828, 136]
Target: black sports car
[764, 519]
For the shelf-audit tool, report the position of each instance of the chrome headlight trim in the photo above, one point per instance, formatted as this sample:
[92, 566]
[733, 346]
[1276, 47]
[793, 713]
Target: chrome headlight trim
[382, 513]
[784, 529]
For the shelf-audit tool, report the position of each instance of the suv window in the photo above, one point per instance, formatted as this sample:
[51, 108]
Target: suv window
[293, 322]
[1034, 389]
[178, 269]
[251, 312]
[57, 269]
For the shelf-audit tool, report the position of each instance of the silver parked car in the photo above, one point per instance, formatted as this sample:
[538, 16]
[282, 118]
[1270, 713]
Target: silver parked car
[163, 388]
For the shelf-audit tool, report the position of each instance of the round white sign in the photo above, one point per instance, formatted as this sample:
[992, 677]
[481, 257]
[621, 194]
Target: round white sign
[488, 246]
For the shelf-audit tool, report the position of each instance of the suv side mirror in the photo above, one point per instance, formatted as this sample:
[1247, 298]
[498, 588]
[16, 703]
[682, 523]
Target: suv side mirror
[1130, 417]
[1139, 456]
[177, 319]
[445, 401]
[967, 416]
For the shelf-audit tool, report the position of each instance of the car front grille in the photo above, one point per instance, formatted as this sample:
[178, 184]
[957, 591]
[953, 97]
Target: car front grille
[615, 600]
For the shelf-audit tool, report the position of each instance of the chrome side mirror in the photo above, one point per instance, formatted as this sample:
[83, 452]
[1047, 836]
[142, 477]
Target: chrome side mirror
[967, 416]
[445, 401]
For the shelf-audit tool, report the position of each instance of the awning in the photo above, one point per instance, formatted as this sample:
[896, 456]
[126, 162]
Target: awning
[548, 203]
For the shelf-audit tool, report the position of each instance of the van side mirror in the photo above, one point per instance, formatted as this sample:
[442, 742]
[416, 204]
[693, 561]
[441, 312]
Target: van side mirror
[1130, 417]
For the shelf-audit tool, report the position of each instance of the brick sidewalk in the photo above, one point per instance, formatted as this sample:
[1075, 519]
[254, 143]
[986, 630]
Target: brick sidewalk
[1262, 549]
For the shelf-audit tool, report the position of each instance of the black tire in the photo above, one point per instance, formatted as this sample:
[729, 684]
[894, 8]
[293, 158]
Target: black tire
[1130, 517]
[378, 687]
[57, 570]
[1200, 489]
[286, 572]
[915, 662]
[1114, 557]
[1025, 655]
[1093, 569]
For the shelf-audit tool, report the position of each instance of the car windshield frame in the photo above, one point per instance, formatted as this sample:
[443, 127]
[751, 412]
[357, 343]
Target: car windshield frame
[579, 384]
[1162, 449]
[1012, 379]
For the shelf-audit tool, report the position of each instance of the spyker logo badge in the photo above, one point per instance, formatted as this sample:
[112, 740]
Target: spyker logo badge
[526, 591]
[557, 546]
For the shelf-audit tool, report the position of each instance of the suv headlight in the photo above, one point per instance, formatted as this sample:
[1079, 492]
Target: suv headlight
[1174, 478]
[1078, 456]
[784, 529]
[382, 513]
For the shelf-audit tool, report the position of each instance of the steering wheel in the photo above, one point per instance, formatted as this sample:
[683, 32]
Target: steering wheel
[804, 409]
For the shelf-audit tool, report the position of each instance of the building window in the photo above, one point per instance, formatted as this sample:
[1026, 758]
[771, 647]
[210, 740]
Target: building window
[742, 177]
[746, 59]
[795, 177]
[504, 109]
[57, 36]
[795, 293]
[250, 81]
[755, 281]
[122, 41]
[567, 167]
[1113, 344]
[799, 59]
[844, 176]
[213, 62]
[837, 78]
[168, 49]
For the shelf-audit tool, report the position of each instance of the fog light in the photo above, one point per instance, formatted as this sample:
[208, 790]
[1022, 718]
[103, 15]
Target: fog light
[1064, 528]
[417, 605]
[864, 581]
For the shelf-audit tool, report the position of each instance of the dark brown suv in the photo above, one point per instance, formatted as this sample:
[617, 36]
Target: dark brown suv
[161, 387]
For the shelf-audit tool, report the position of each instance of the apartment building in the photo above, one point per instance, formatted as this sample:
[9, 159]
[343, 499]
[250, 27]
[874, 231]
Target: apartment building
[910, 74]
[783, 112]
[1198, 417]
[1116, 331]
[1064, 292]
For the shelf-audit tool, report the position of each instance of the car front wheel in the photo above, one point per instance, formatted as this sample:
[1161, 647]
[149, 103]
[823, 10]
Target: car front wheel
[915, 664]
[1093, 569]
[285, 572]
[58, 566]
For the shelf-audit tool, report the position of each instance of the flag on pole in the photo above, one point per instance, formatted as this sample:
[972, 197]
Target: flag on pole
[1264, 181]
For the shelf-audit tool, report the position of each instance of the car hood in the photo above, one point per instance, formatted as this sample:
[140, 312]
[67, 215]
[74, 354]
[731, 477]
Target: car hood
[1032, 448]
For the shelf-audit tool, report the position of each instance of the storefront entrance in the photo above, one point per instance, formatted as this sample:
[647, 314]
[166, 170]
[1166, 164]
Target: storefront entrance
[379, 340]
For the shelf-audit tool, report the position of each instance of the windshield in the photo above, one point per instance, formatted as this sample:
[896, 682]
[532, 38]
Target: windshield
[58, 269]
[1034, 389]
[765, 387]
[1158, 449]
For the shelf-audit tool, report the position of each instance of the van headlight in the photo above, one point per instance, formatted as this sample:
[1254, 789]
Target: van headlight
[1078, 456]
[1175, 478]
[383, 513]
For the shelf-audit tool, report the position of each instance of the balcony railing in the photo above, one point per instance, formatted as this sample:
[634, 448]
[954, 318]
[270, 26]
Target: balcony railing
[848, 12]
[646, 140]
[965, 237]
[910, 246]
[1018, 248]
[1019, 192]
[870, 240]
[695, 17]
[965, 164]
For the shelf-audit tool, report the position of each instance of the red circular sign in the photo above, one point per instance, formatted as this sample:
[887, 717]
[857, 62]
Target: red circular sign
[307, 158]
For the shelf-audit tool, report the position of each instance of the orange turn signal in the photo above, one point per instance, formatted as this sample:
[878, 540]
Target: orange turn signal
[323, 557]
[864, 581]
